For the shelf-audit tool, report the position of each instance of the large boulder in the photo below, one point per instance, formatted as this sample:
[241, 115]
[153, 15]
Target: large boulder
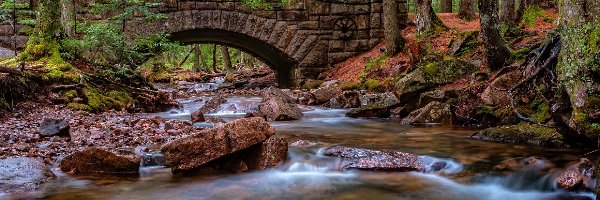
[366, 159]
[212, 105]
[580, 177]
[387, 99]
[434, 112]
[96, 160]
[273, 92]
[348, 99]
[278, 106]
[433, 75]
[275, 109]
[324, 94]
[54, 127]
[267, 154]
[522, 134]
[22, 174]
[369, 112]
[194, 151]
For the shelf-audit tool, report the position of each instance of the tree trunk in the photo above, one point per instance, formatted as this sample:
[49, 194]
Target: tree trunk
[197, 53]
[466, 10]
[578, 66]
[68, 17]
[393, 40]
[497, 52]
[446, 6]
[508, 13]
[214, 58]
[227, 60]
[427, 20]
[44, 40]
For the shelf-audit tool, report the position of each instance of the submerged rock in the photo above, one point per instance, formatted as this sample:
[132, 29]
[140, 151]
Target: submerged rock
[198, 116]
[579, 177]
[267, 154]
[207, 145]
[434, 112]
[369, 112]
[522, 134]
[54, 127]
[95, 160]
[365, 159]
[22, 174]
[212, 105]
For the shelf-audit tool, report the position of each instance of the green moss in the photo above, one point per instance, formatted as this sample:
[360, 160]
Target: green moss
[312, 84]
[374, 85]
[69, 95]
[375, 63]
[519, 54]
[543, 113]
[485, 110]
[78, 106]
[531, 14]
[121, 97]
[523, 134]
[99, 102]
[350, 86]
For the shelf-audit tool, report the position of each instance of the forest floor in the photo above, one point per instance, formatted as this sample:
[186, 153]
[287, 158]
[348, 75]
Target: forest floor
[401, 64]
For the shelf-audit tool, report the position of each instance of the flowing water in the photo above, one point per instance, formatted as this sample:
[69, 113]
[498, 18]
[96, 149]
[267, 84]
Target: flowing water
[472, 170]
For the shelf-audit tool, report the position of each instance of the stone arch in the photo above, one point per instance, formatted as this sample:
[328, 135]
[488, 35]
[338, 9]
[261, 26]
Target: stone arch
[278, 43]
[279, 61]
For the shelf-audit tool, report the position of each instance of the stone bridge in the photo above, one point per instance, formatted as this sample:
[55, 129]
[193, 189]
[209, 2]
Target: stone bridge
[298, 40]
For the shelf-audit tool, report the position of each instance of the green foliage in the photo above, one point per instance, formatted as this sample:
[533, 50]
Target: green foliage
[531, 14]
[374, 85]
[13, 12]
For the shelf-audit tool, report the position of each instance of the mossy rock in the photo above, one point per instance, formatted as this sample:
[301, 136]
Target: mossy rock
[434, 74]
[345, 86]
[374, 111]
[522, 134]
[312, 84]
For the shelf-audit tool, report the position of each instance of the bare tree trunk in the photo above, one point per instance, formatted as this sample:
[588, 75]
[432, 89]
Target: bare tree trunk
[427, 20]
[508, 13]
[197, 57]
[227, 60]
[446, 6]
[466, 10]
[497, 52]
[214, 58]
[393, 40]
[68, 17]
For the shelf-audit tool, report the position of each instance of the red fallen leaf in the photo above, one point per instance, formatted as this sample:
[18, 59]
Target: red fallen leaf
[525, 100]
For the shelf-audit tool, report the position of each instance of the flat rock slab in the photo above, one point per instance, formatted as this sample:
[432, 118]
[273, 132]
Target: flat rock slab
[99, 161]
[366, 159]
[194, 151]
[54, 127]
[23, 175]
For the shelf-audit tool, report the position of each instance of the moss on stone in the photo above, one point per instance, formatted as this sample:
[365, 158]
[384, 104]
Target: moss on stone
[374, 85]
[100, 102]
[434, 74]
[522, 134]
[542, 113]
[345, 86]
[78, 106]
[312, 84]
[519, 54]
[69, 95]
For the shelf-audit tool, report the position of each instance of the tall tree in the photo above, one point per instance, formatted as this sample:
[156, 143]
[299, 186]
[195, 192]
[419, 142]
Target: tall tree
[214, 58]
[578, 68]
[227, 61]
[446, 6]
[393, 40]
[497, 52]
[466, 10]
[427, 20]
[508, 14]
[199, 57]
[44, 40]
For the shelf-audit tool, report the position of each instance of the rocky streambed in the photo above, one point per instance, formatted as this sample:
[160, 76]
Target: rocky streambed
[288, 144]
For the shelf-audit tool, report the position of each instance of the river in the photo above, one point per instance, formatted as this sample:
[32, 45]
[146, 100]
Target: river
[474, 169]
